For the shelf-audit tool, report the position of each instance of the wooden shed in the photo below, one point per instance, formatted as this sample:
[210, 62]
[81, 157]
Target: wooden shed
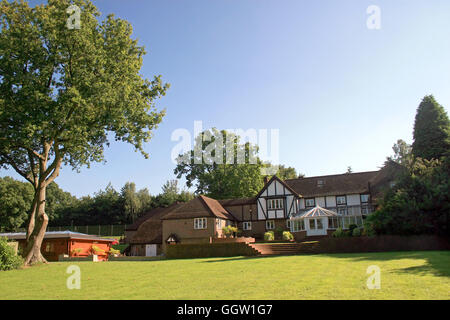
[70, 243]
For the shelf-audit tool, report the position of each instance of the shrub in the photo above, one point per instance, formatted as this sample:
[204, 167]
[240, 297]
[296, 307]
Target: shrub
[339, 233]
[356, 232]
[287, 235]
[8, 258]
[97, 250]
[269, 236]
[227, 231]
[76, 251]
[113, 251]
[351, 228]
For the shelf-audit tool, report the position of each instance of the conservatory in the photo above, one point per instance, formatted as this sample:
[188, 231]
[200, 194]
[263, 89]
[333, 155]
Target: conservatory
[317, 221]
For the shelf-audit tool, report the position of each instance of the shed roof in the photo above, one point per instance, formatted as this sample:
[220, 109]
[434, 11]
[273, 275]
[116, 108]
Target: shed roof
[56, 235]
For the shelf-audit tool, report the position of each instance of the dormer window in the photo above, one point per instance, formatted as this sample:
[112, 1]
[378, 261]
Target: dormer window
[274, 204]
[364, 198]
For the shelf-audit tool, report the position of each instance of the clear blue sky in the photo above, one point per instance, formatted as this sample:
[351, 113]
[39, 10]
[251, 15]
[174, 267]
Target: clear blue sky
[339, 93]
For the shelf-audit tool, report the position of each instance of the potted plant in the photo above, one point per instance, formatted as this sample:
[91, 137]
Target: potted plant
[75, 252]
[114, 252]
[95, 252]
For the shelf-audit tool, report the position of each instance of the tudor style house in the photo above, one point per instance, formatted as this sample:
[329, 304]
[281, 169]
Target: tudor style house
[308, 207]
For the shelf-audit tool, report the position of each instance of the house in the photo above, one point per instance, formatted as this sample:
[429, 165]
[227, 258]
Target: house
[308, 207]
[69, 243]
[144, 236]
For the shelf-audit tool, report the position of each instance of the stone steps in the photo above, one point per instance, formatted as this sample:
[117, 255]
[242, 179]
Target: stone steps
[266, 249]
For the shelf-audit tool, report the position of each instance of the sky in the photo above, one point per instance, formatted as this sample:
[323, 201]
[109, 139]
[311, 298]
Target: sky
[339, 93]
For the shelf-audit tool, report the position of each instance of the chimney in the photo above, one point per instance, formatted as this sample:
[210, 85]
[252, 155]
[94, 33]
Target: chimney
[266, 179]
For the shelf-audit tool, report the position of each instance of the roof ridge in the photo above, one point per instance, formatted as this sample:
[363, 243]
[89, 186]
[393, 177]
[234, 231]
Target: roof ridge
[332, 175]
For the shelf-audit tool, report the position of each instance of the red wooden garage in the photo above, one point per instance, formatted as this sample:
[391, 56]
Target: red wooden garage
[70, 243]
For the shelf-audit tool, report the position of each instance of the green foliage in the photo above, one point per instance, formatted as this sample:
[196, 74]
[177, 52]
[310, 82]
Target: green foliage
[65, 93]
[402, 153]
[356, 232]
[269, 236]
[216, 176]
[340, 233]
[287, 235]
[230, 230]
[351, 227]
[419, 203]
[8, 258]
[287, 173]
[113, 251]
[15, 203]
[431, 130]
[97, 250]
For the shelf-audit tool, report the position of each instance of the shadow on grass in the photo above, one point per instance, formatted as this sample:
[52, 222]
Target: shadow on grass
[436, 262]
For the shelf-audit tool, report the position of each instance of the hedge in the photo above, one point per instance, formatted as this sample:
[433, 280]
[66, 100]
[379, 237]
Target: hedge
[376, 244]
[208, 250]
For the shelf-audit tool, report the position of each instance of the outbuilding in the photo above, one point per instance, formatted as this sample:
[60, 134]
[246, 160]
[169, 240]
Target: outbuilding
[73, 244]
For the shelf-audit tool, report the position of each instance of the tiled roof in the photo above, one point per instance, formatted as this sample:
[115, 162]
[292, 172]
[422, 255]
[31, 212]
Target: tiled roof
[198, 207]
[155, 213]
[237, 202]
[346, 183]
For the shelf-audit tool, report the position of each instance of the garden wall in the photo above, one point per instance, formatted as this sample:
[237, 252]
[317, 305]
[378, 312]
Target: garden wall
[209, 250]
[233, 240]
[379, 243]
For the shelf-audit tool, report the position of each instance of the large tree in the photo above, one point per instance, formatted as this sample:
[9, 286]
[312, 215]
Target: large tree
[218, 172]
[64, 92]
[431, 130]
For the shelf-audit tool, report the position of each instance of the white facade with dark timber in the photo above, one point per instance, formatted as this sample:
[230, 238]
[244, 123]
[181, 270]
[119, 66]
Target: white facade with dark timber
[276, 201]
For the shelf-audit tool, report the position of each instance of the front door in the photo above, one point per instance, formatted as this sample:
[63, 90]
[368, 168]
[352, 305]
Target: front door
[150, 250]
[316, 226]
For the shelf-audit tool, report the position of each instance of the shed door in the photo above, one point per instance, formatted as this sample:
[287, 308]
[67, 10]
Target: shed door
[150, 250]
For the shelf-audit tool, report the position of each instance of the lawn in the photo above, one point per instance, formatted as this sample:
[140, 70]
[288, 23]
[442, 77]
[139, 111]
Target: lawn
[404, 275]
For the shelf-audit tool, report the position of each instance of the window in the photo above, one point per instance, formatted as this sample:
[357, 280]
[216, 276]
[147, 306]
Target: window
[298, 225]
[342, 211]
[247, 225]
[333, 223]
[341, 200]
[219, 224]
[365, 210]
[274, 204]
[200, 223]
[364, 198]
[319, 224]
[312, 224]
[270, 224]
[310, 202]
[320, 183]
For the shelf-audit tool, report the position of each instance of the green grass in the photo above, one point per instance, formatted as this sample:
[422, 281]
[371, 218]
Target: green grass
[404, 275]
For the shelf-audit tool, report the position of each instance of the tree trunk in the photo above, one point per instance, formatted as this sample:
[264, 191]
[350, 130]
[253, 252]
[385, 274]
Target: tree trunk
[36, 235]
